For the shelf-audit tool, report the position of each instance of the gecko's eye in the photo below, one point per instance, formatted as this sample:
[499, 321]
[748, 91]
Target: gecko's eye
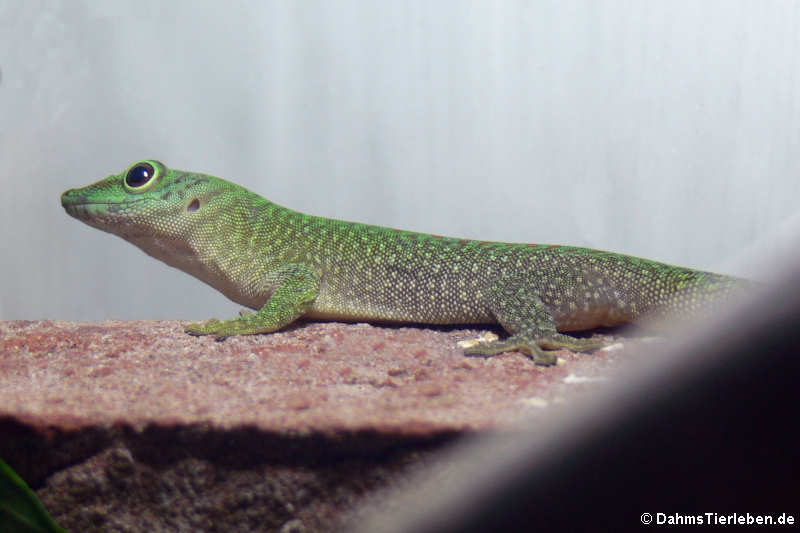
[139, 175]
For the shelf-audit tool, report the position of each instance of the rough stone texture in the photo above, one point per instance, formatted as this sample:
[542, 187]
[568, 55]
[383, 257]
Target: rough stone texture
[135, 426]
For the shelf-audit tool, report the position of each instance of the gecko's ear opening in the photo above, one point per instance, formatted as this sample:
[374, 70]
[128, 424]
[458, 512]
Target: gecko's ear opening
[193, 206]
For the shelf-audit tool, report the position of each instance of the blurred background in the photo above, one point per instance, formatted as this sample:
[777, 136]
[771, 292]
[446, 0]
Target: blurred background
[663, 129]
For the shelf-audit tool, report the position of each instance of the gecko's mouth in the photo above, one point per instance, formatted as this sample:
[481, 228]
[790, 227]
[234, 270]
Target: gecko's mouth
[89, 213]
[86, 208]
[71, 199]
[68, 205]
[93, 213]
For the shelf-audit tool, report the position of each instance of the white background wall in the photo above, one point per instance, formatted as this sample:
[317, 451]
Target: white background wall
[665, 129]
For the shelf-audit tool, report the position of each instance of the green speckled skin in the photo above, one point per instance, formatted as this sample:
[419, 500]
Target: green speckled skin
[287, 264]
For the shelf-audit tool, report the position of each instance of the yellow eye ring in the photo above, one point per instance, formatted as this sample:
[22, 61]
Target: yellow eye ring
[142, 175]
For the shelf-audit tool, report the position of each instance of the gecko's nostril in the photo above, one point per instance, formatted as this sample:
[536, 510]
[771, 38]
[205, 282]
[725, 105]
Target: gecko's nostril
[194, 205]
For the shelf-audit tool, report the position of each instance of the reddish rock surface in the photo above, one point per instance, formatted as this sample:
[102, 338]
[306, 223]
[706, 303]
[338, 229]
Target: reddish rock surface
[136, 426]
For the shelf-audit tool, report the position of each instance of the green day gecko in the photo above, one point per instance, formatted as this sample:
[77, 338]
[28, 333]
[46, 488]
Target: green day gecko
[288, 265]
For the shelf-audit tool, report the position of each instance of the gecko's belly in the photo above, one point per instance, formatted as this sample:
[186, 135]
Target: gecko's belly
[444, 314]
[591, 317]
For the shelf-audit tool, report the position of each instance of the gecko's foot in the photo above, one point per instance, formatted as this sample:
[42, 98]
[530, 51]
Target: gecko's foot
[532, 350]
[558, 341]
[213, 327]
[537, 349]
[249, 324]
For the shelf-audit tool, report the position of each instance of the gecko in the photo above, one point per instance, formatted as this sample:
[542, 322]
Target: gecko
[286, 265]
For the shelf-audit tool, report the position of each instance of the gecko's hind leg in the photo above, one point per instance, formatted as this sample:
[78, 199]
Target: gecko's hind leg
[517, 307]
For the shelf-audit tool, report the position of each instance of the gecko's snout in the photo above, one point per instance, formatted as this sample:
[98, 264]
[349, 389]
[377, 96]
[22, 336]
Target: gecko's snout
[64, 197]
[71, 198]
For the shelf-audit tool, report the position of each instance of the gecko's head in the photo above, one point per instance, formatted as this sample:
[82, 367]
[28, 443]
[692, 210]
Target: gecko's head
[147, 200]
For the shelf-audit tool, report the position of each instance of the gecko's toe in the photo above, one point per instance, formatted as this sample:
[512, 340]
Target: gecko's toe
[209, 327]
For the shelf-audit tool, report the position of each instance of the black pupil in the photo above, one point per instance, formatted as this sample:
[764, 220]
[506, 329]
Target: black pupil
[139, 175]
